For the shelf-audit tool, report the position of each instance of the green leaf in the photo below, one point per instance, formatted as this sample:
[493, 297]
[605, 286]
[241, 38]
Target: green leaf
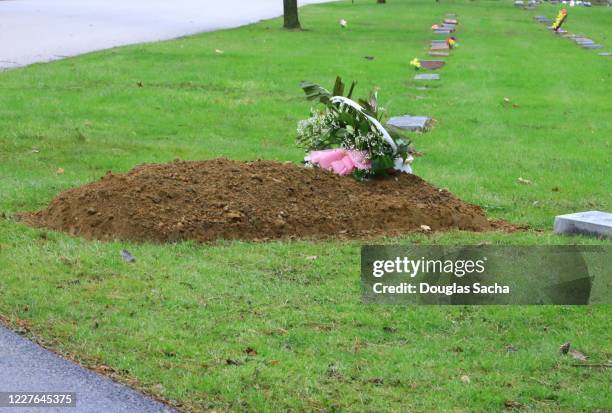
[315, 91]
[338, 87]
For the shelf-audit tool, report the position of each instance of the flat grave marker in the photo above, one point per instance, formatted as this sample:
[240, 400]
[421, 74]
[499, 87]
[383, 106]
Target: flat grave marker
[451, 21]
[605, 54]
[438, 54]
[439, 46]
[427, 76]
[592, 46]
[594, 223]
[411, 123]
[432, 64]
[442, 31]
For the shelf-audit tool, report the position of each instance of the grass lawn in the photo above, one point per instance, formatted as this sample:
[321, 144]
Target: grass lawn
[177, 323]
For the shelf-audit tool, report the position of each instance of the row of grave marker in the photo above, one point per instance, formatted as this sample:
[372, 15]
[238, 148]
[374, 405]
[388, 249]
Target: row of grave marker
[592, 223]
[438, 48]
[585, 42]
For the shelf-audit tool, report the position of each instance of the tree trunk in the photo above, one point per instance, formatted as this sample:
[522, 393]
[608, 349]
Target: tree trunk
[290, 8]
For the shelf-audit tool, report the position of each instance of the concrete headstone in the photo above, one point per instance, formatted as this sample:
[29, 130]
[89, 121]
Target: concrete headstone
[595, 223]
[411, 123]
[438, 54]
[427, 76]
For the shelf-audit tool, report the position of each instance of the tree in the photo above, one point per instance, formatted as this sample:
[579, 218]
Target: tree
[290, 13]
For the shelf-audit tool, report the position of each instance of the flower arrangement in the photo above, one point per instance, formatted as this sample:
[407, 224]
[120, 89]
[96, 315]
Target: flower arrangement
[560, 19]
[451, 41]
[347, 137]
[416, 63]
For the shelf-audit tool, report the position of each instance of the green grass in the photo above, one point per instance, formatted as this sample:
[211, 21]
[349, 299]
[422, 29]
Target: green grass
[169, 322]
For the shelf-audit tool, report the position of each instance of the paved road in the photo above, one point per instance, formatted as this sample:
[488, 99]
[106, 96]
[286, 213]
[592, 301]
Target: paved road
[41, 30]
[24, 366]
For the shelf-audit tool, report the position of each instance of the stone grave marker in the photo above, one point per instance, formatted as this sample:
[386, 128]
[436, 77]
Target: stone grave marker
[432, 64]
[411, 123]
[595, 223]
[592, 46]
[451, 21]
[442, 31]
[427, 76]
[605, 54]
[438, 54]
[439, 46]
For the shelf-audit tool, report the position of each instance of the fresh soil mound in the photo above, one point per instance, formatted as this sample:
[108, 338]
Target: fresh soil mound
[224, 199]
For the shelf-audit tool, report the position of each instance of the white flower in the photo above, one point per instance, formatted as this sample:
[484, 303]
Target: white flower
[403, 166]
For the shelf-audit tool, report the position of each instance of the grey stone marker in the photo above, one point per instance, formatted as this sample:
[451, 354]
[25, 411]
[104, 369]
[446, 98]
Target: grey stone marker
[411, 123]
[442, 31]
[427, 76]
[438, 54]
[439, 46]
[439, 41]
[605, 54]
[595, 223]
[592, 46]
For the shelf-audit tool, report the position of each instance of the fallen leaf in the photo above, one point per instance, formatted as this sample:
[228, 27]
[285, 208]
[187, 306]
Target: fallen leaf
[511, 404]
[59, 171]
[564, 348]
[465, 379]
[250, 351]
[524, 181]
[425, 227]
[577, 355]
[274, 362]
[104, 369]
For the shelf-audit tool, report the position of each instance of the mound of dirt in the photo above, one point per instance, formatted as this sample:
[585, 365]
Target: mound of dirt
[225, 199]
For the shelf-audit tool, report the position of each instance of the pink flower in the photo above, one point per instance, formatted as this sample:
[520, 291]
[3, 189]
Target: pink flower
[340, 161]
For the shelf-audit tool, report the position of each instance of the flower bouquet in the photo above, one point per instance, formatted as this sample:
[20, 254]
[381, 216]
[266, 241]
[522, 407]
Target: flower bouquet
[347, 137]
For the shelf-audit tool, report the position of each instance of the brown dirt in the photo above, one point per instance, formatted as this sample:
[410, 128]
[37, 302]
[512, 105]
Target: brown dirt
[261, 200]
